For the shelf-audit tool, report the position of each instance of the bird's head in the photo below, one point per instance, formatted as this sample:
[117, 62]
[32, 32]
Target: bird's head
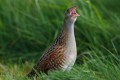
[71, 15]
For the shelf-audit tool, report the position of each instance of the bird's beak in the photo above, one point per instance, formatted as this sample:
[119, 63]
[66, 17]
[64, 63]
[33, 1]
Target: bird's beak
[73, 11]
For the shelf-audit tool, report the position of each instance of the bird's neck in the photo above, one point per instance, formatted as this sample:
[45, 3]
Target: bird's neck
[68, 26]
[66, 34]
[68, 30]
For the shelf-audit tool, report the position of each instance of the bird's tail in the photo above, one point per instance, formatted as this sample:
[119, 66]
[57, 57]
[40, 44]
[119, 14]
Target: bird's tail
[31, 74]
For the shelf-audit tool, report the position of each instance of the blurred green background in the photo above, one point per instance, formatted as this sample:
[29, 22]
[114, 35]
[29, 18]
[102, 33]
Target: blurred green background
[28, 27]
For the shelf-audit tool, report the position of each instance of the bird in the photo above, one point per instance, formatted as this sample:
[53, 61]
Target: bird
[61, 55]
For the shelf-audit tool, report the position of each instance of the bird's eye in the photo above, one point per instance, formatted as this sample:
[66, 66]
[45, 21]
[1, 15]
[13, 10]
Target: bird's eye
[68, 10]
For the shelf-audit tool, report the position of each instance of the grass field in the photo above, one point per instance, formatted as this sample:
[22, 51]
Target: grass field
[28, 27]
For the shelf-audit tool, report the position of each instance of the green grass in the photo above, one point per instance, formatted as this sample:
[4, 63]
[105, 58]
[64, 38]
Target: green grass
[28, 27]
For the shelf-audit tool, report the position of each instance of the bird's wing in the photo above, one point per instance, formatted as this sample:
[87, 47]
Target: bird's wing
[52, 59]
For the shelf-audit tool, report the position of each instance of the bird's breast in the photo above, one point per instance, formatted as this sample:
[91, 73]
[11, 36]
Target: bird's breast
[70, 52]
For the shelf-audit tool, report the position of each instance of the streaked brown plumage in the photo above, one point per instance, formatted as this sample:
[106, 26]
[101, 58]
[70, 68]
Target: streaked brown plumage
[62, 53]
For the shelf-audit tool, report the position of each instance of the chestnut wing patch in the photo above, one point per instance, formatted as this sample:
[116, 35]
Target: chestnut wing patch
[51, 60]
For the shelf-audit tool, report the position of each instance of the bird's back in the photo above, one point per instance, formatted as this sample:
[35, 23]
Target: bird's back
[53, 58]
